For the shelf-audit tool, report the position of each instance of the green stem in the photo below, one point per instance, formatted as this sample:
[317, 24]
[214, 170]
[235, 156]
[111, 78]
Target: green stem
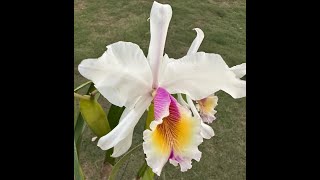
[93, 93]
[81, 86]
[81, 96]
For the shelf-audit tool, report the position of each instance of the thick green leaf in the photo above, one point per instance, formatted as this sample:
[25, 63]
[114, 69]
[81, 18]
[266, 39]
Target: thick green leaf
[108, 157]
[79, 128]
[150, 116]
[148, 174]
[79, 122]
[117, 166]
[145, 172]
[78, 174]
[75, 114]
[114, 115]
[94, 116]
[142, 170]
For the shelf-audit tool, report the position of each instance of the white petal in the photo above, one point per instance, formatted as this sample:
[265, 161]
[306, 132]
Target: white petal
[191, 153]
[121, 74]
[239, 70]
[123, 129]
[123, 146]
[160, 17]
[173, 162]
[193, 49]
[196, 42]
[206, 131]
[154, 160]
[200, 75]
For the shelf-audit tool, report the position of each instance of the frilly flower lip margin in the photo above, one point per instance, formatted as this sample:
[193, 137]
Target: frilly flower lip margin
[125, 77]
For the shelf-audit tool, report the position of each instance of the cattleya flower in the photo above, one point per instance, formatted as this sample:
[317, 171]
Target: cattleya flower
[206, 105]
[125, 77]
[206, 108]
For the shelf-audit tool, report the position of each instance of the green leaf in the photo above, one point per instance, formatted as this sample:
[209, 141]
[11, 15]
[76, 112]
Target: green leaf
[142, 170]
[150, 116]
[80, 122]
[94, 116]
[78, 174]
[79, 128]
[108, 158]
[148, 174]
[114, 115]
[79, 125]
[117, 166]
[145, 172]
[75, 114]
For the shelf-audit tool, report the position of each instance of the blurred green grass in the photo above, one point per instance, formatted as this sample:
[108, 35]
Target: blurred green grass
[98, 23]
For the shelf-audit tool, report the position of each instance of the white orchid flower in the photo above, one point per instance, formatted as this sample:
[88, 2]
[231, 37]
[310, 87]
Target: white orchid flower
[204, 109]
[125, 77]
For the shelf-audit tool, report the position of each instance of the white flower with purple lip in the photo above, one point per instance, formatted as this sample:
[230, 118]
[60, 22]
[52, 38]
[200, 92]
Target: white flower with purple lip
[125, 77]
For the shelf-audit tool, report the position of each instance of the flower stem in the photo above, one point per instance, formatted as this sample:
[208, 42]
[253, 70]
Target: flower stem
[93, 93]
[81, 96]
[193, 108]
[82, 85]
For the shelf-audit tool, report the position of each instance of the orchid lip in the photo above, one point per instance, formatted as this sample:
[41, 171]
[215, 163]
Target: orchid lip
[173, 136]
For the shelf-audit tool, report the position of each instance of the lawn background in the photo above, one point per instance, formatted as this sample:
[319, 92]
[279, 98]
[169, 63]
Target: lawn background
[98, 23]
